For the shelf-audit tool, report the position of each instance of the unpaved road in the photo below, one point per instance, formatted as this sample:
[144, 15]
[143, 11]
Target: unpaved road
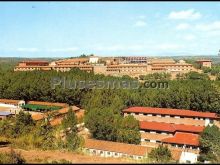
[37, 156]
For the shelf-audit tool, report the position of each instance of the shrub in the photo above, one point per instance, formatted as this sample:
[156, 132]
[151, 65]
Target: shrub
[11, 158]
[161, 154]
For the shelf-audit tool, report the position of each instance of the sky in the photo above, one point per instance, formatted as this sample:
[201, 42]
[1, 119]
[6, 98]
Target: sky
[68, 29]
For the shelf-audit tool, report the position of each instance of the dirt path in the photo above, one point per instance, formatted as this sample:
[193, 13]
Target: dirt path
[37, 156]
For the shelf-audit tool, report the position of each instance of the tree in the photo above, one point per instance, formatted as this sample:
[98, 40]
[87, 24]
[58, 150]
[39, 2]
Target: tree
[23, 123]
[103, 124]
[70, 121]
[128, 130]
[197, 76]
[45, 132]
[69, 125]
[161, 154]
[210, 144]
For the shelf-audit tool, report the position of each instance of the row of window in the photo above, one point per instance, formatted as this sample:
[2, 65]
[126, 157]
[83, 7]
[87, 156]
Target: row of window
[156, 132]
[161, 115]
[111, 153]
[173, 145]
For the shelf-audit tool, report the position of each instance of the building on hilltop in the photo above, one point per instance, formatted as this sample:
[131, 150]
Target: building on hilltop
[114, 66]
[205, 63]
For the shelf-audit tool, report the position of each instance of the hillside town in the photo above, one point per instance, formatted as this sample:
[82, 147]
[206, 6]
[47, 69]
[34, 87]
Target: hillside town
[116, 66]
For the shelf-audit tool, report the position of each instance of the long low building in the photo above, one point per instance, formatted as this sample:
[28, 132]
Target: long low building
[115, 149]
[162, 127]
[159, 132]
[168, 115]
[122, 150]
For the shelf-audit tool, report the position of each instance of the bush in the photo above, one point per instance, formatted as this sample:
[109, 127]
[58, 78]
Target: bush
[160, 154]
[11, 158]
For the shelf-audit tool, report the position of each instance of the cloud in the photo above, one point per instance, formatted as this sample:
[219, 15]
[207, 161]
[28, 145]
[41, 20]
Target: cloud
[189, 37]
[182, 26]
[63, 49]
[209, 27]
[140, 23]
[190, 14]
[27, 49]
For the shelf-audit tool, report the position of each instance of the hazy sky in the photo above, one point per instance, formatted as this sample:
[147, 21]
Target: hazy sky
[64, 29]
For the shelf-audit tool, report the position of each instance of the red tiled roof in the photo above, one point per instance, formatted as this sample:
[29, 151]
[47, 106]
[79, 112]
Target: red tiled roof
[37, 117]
[35, 61]
[62, 111]
[66, 109]
[167, 127]
[124, 148]
[56, 121]
[183, 138]
[168, 111]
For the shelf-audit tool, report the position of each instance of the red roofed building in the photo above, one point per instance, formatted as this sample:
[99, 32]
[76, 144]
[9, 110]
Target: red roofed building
[205, 63]
[156, 132]
[167, 115]
[187, 139]
[169, 128]
[32, 65]
[177, 128]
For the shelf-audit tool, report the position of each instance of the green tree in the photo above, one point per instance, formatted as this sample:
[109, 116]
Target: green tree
[45, 132]
[23, 123]
[69, 125]
[70, 121]
[105, 125]
[128, 130]
[210, 144]
[161, 154]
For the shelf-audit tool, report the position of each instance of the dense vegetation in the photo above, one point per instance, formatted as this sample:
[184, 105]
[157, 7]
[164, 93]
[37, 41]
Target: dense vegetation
[189, 93]
[104, 124]
[156, 76]
[210, 144]
[23, 132]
